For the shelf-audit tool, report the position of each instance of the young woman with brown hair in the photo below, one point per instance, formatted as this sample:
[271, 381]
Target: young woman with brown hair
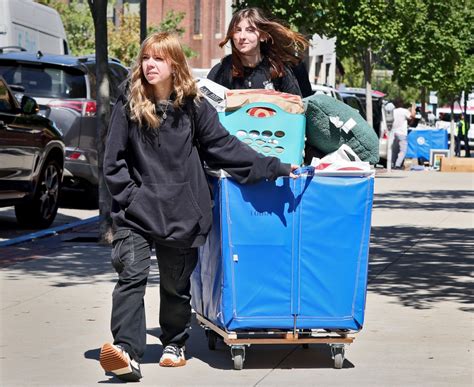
[263, 52]
[161, 198]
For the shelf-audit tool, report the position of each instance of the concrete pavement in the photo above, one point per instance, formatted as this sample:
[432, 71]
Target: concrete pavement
[56, 301]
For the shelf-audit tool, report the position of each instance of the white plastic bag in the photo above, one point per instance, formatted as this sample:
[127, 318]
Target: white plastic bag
[342, 162]
[213, 92]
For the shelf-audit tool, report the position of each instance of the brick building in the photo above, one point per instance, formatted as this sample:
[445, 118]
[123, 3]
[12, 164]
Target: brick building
[205, 23]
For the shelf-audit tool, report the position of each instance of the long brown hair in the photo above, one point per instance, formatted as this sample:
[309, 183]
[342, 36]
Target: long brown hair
[281, 45]
[140, 92]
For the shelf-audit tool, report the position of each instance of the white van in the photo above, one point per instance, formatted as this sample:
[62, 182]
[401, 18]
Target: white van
[31, 26]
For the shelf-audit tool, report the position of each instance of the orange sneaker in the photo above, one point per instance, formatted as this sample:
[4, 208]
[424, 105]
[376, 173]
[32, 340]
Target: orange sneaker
[173, 356]
[114, 359]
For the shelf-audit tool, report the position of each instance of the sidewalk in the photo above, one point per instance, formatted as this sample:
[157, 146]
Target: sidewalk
[56, 302]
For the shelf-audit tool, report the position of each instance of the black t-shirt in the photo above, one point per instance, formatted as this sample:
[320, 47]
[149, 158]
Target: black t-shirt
[254, 77]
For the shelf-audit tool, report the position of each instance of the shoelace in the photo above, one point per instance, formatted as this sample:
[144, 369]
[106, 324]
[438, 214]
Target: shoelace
[172, 350]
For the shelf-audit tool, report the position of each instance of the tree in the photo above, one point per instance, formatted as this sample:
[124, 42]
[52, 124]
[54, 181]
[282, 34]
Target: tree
[360, 26]
[430, 49]
[99, 15]
[302, 15]
[124, 38]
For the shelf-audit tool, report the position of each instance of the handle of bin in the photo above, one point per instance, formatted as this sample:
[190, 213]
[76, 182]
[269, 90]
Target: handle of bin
[272, 106]
[306, 170]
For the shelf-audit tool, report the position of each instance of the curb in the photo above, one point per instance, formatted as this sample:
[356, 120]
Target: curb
[48, 232]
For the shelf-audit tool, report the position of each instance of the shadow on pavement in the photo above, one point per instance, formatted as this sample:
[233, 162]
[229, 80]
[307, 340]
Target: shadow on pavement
[429, 201]
[421, 266]
[437, 269]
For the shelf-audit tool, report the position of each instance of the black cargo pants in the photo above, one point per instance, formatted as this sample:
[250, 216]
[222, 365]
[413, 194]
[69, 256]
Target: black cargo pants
[131, 259]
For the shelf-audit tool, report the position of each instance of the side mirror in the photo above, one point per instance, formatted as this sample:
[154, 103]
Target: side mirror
[29, 105]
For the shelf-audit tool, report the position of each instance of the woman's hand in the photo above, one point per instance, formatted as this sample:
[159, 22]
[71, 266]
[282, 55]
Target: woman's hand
[293, 168]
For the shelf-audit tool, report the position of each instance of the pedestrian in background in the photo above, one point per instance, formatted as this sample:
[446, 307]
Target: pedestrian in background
[263, 53]
[401, 117]
[161, 198]
[462, 136]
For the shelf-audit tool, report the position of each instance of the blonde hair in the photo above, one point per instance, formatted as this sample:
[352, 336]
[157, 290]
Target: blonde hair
[281, 45]
[140, 93]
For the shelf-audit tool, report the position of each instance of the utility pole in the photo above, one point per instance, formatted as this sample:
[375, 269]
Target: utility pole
[143, 31]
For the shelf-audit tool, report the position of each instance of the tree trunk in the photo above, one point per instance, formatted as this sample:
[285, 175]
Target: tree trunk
[99, 14]
[367, 65]
[143, 21]
[423, 102]
[452, 129]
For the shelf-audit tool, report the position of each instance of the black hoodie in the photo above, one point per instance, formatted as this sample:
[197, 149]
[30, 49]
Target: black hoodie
[156, 177]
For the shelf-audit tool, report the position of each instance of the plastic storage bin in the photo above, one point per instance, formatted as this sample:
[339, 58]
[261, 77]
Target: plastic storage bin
[281, 134]
[289, 254]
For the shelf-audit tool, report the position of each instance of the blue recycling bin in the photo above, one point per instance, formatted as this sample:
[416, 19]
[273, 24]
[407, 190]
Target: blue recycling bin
[421, 141]
[286, 254]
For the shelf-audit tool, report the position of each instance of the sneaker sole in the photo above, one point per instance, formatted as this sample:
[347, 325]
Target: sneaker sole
[115, 362]
[171, 363]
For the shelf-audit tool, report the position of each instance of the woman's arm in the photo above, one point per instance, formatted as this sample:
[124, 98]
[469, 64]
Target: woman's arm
[116, 171]
[289, 84]
[223, 150]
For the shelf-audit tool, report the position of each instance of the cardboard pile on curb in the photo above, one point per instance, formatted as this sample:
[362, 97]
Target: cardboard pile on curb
[457, 164]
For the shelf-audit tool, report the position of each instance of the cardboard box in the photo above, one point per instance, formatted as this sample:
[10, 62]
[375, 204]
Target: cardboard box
[457, 164]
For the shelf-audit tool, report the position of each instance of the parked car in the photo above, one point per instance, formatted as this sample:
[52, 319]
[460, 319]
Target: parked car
[379, 116]
[65, 88]
[354, 102]
[325, 89]
[31, 160]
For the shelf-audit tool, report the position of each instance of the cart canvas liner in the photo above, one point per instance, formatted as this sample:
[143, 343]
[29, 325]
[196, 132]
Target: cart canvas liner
[289, 254]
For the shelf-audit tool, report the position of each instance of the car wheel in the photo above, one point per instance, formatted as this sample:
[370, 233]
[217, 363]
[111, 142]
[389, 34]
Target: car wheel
[41, 210]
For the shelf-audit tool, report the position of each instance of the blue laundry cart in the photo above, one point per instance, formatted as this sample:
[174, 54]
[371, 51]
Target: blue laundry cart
[285, 262]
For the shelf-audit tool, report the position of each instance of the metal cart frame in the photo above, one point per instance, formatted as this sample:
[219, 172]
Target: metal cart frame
[237, 340]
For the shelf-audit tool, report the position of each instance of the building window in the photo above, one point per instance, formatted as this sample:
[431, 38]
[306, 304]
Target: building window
[197, 17]
[217, 26]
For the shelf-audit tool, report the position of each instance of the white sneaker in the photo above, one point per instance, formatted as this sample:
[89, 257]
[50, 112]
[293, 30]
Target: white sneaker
[114, 359]
[173, 356]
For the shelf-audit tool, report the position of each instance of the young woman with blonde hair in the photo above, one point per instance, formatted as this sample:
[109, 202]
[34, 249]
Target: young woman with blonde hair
[161, 197]
[263, 53]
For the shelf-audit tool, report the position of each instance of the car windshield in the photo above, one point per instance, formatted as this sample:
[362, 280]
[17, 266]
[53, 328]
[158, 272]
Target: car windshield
[50, 82]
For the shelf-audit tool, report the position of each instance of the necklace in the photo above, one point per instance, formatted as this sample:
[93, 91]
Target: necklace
[160, 104]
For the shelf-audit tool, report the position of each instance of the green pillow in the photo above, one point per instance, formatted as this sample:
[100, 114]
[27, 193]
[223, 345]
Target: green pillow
[331, 123]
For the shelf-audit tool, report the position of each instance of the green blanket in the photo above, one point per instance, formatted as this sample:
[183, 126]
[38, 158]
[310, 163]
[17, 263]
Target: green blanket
[331, 123]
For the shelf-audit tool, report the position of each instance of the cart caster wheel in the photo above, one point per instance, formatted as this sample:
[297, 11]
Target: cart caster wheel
[238, 355]
[238, 362]
[305, 346]
[211, 340]
[338, 356]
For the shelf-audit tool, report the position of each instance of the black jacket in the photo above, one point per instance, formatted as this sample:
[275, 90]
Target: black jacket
[156, 177]
[254, 78]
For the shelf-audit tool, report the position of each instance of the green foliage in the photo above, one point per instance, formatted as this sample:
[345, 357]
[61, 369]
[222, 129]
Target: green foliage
[78, 24]
[358, 26]
[302, 15]
[124, 39]
[393, 90]
[353, 73]
[431, 46]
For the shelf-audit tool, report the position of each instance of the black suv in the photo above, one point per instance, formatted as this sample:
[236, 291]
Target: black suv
[31, 160]
[65, 88]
